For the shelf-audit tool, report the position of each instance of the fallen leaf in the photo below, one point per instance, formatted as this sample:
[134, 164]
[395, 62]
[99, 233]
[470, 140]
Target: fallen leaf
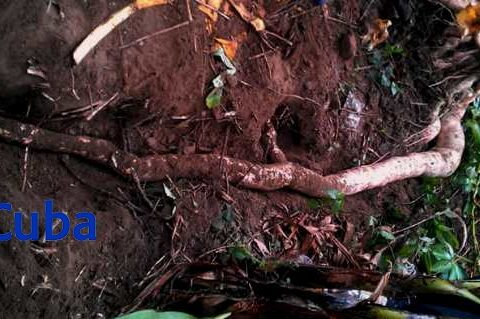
[143, 4]
[377, 33]
[229, 46]
[212, 15]
[469, 19]
[247, 16]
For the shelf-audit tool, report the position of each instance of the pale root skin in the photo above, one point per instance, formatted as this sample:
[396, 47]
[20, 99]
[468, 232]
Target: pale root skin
[440, 161]
[455, 4]
[100, 32]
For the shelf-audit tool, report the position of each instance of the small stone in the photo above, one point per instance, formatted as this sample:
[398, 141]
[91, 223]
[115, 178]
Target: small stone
[348, 46]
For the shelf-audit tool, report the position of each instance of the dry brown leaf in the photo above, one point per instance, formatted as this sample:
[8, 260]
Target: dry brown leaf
[212, 15]
[247, 16]
[230, 46]
[143, 4]
[469, 19]
[377, 33]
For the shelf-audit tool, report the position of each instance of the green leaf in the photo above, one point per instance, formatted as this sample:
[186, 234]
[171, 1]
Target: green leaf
[390, 50]
[386, 235]
[385, 80]
[241, 253]
[445, 234]
[441, 267]
[427, 261]
[442, 252]
[457, 272]
[313, 203]
[474, 130]
[394, 88]
[440, 286]
[408, 249]
[372, 221]
[337, 200]
[152, 314]
[214, 98]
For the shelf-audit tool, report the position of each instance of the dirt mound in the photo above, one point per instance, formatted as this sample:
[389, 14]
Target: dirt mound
[160, 86]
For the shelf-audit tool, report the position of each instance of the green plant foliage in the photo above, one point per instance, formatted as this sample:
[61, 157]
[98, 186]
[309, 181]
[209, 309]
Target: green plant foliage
[392, 50]
[152, 314]
[384, 72]
[336, 199]
[467, 177]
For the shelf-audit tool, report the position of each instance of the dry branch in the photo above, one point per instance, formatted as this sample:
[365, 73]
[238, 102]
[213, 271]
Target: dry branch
[441, 161]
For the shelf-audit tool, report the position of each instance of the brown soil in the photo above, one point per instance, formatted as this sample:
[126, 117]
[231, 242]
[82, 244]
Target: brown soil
[158, 81]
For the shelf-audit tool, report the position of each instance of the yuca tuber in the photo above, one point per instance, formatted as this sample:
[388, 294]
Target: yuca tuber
[440, 161]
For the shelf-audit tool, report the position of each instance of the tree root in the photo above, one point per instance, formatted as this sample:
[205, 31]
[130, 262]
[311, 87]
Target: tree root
[440, 161]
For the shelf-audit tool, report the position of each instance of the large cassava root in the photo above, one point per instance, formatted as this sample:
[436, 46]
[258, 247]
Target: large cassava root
[440, 161]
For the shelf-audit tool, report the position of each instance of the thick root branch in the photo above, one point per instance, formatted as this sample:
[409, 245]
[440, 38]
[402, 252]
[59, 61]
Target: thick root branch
[441, 161]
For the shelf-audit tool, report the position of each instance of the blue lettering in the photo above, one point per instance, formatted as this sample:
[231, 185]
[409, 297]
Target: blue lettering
[7, 207]
[34, 230]
[90, 225]
[50, 216]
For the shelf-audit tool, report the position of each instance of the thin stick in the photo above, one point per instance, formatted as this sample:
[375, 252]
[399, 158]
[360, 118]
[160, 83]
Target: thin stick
[189, 10]
[275, 35]
[101, 107]
[367, 8]
[137, 41]
[25, 169]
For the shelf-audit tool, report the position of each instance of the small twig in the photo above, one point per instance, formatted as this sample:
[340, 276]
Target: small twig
[74, 92]
[163, 31]
[101, 107]
[296, 97]
[423, 221]
[275, 35]
[189, 10]
[25, 169]
[141, 190]
[366, 9]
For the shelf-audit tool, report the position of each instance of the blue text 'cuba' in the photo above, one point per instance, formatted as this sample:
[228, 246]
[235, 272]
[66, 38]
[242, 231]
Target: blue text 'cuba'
[84, 227]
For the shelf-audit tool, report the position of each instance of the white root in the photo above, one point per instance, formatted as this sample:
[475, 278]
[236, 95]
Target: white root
[455, 4]
[100, 32]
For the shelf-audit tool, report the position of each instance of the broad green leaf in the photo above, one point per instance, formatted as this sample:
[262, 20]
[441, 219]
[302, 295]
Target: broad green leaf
[241, 253]
[442, 252]
[337, 200]
[474, 130]
[442, 266]
[408, 249]
[440, 286]
[386, 235]
[152, 314]
[427, 261]
[457, 272]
